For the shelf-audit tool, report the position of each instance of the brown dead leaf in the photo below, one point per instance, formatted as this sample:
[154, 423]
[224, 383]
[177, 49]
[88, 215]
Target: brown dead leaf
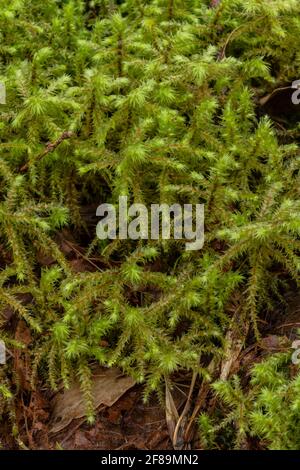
[271, 342]
[108, 386]
[21, 358]
[116, 413]
[172, 415]
[23, 334]
[81, 441]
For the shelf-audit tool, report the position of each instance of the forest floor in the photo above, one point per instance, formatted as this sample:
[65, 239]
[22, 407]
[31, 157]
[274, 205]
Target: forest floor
[56, 420]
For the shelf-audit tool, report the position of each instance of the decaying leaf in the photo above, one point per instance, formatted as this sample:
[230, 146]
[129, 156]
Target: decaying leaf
[108, 386]
[172, 415]
[21, 358]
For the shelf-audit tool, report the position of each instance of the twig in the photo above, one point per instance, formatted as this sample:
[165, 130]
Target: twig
[265, 99]
[185, 409]
[233, 32]
[287, 324]
[50, 147]
[202, 394]
[82, 255]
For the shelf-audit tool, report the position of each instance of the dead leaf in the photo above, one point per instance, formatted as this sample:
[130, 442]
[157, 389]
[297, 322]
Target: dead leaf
[81, 441]
[116, 414]
[108, 386]
[271, 342]
[172, 415]
[21, 358]
[279, 105]
[23, 334]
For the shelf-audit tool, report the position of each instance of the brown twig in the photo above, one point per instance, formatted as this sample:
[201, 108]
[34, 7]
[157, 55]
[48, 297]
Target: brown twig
[202, 395]
[265, 99]
[73, 247]
[50, 147]
[233, 32]
[287, 324]
[185, 410]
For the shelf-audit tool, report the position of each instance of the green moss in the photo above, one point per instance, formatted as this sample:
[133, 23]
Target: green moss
[160, 102]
